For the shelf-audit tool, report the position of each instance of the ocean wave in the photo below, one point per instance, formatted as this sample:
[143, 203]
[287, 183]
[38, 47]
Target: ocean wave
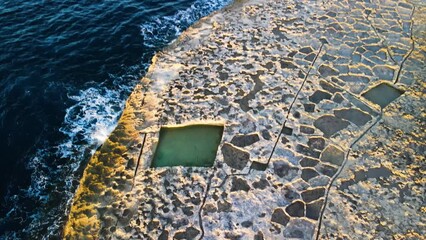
[160, 30]
[88, 121]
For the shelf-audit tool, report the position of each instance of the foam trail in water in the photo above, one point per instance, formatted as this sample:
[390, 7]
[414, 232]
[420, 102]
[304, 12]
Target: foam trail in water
[87, 125]
[160, 31]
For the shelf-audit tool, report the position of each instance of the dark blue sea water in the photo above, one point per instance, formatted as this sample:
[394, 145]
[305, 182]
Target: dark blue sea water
[66, 69]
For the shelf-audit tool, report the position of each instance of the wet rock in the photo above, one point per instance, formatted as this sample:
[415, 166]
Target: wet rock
[288, 64]
[153, 225]
[280, 217]
[266, 135]
[309, 107]
[287, 131]
[306, 50]
[188, 211]
[259, 236]
[261, 184]
[310, 57]
[224, 206]
[189, 233]
[210, 208]
[247, 224]
[239, 184]
[164, 235]
[319, 95]
[316, 143]
[296, 234]
[329, 87]
[282, 168]
[245, 140]
[326, 71]
[355, 116]
[258, 166]
[308, 162]
[179, 223]
[313, 209]
[307, 129]
[291, 194]
[330, 125]
[307, 151]
[313, 194]
[234, 157]
[327, 170]
[296, 209]
[333, 155]
[284, 140]
[338, 98]
[233, 235]
[308, 173]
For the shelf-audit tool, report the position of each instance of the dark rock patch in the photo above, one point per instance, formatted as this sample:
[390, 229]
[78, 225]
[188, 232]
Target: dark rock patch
[291, 194]
[154, 224]
[306, 50]
[296, 209]
[338, 98]
[258, 166]
[224, 206]
[180, 223]
[316, 143]
[188, 211]
[245, 140]
[259, 236]
[280, 217]
[307, 129]
[329, 87]
[239, 184]
[313, 194]
[313, 209]
[310, 57]
[309, 107]
[164, 235]
[247, 224]
[333, 155]
[287, 130]
[210, 208]
[307, 151]
[282, 168]
[308, 162]
[330, 125]
[355, 116]
[261, 184]
[266, 135]
[327, 170]
[189, 233]
[309, 173]
[234, 157]
[326, 71]
[288, 64]
[319, 95]
[296, 234]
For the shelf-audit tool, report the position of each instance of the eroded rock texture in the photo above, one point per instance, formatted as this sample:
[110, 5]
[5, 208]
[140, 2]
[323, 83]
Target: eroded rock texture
[287, 79]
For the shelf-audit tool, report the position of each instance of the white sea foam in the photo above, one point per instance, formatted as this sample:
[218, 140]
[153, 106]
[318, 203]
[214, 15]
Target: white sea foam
[90, 120]
[164, 29]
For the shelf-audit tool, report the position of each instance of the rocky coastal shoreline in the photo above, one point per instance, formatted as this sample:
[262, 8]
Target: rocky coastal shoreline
[324, 114]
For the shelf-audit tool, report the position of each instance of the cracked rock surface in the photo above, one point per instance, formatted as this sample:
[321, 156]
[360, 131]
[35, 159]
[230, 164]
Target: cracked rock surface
[303, 153]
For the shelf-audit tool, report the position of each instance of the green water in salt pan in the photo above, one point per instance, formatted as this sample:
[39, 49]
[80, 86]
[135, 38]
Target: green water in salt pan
[191, 146]
[382, 94]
